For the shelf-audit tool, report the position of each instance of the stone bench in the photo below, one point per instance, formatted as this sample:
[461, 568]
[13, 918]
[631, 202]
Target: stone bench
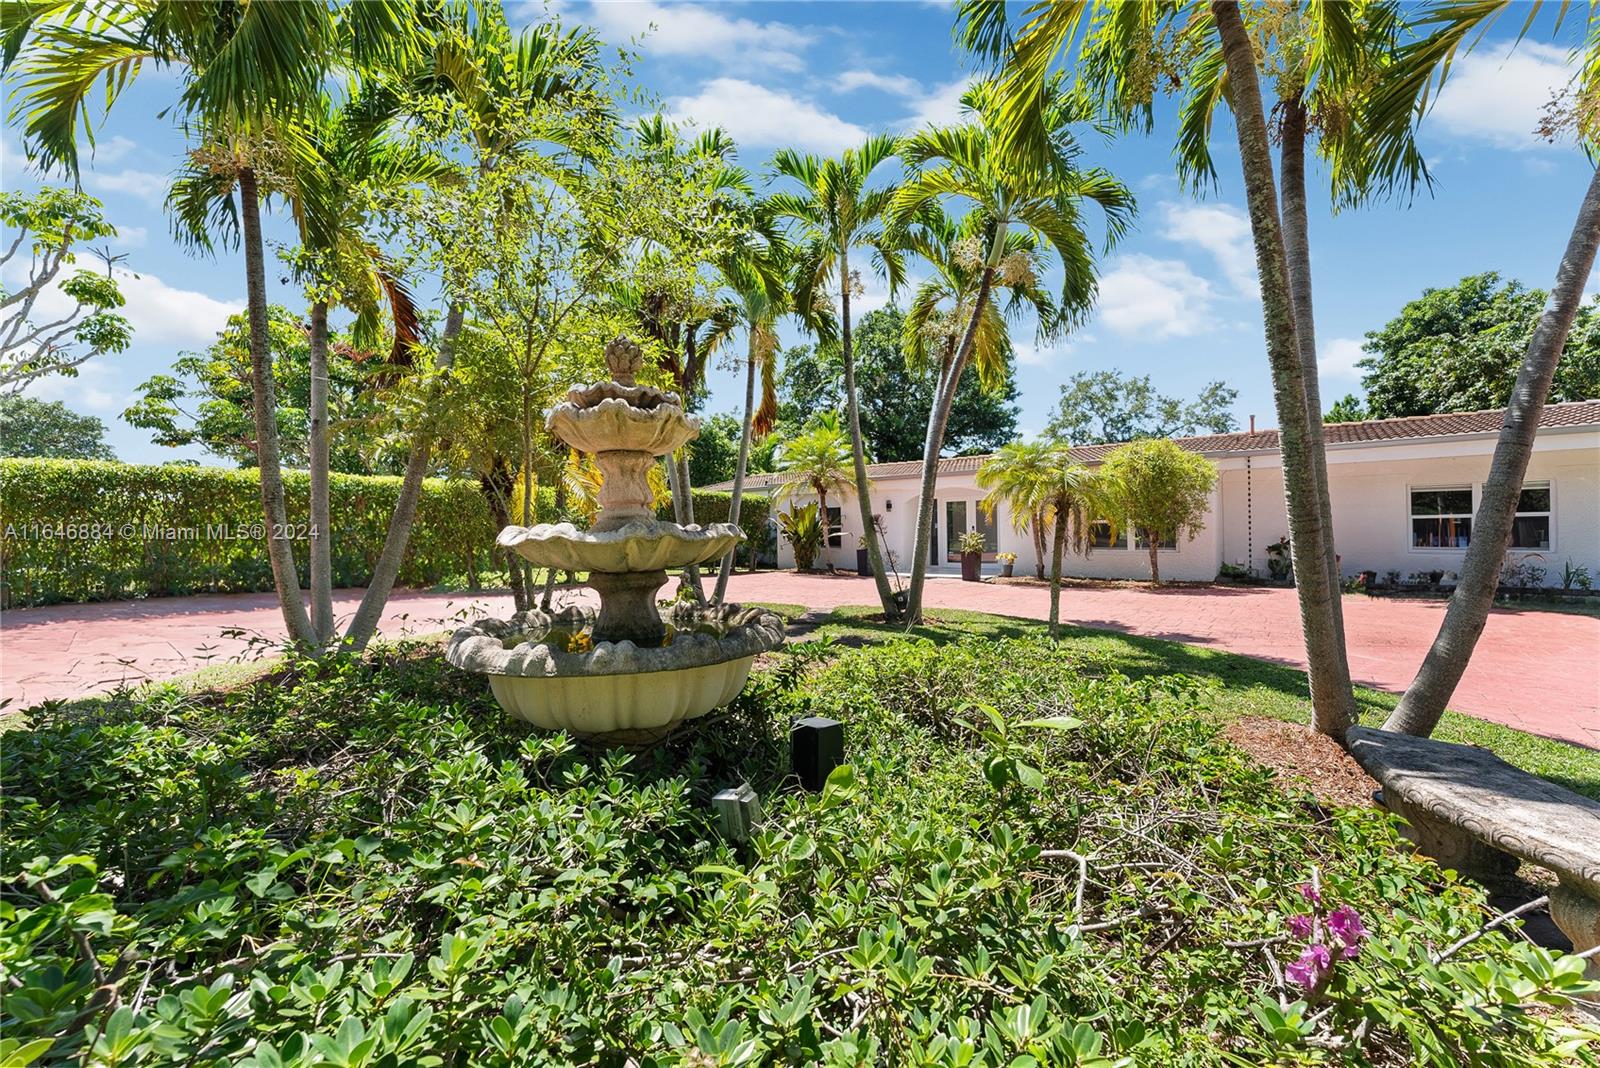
[1473, 812]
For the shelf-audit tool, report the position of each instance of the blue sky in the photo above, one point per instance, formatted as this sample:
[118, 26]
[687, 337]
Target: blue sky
[1177, 297]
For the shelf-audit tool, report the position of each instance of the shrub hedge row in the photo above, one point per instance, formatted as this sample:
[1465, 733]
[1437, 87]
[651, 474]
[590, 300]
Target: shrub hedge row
[88, 530]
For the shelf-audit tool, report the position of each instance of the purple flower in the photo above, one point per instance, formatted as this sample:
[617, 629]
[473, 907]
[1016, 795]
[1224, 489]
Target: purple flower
[1312, 968]
[1344, 923]
[1300, 926]
[1311, 893]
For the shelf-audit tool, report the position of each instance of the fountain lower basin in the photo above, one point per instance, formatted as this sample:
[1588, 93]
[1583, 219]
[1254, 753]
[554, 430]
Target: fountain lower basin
[543, 669]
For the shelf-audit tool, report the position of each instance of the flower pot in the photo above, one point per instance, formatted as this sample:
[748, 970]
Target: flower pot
[1005, 568]
[971, 566]
[863, 564]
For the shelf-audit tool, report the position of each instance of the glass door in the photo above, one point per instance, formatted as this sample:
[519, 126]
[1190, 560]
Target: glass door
[955, 525]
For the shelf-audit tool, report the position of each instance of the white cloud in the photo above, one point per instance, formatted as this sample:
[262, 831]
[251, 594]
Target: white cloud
[701, 32]
[1152, 298]
[1498, 98]
[111, 149]
[1337, 358]
[148, 187]
[756, 115]
[941, 107]
[898, 84]
[159, 314]
[131, 237]
[1221, 230]
[92, 390]
[1029, 354]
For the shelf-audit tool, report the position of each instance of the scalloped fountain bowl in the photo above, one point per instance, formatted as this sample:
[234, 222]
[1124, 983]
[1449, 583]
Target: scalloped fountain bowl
[546, 669]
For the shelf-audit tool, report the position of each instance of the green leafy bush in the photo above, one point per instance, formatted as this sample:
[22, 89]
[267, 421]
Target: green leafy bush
[714, 506]
[367, 863]
[79, 530]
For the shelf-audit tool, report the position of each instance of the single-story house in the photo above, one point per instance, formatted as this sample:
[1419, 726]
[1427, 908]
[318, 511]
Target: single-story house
[1403, 490]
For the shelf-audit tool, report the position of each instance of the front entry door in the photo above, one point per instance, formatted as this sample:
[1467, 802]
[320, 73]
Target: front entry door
[962, 516]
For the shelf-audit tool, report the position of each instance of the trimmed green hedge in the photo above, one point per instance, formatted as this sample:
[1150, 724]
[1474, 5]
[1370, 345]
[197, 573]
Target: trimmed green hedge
[713, 506]
[86, 530]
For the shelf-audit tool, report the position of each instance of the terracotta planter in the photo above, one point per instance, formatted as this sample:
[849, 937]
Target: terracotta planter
[971, 566]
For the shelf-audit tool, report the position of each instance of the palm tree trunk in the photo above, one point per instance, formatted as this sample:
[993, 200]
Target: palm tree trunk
[1332, 702]
[1036, 524]
[891, 611]
[1058, 546]
[321, 512]
[264, 398]
[938, 422]
[822, 519]
[1419, 710]
[365, 623]
[691, 574]
[1297, 254]
[738, 472]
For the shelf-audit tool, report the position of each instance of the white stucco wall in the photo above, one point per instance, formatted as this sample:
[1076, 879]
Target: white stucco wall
[1369, 484]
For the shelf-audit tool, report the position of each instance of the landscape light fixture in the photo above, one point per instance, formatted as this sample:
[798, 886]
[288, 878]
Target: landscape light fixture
[816, 747]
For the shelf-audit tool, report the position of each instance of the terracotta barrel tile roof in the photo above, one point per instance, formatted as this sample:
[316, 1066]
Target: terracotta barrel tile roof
[1584, 413]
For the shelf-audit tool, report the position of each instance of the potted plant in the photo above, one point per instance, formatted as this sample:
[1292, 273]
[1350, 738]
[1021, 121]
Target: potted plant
[863, 562]
[802, 528]
[971, 548]
[1007, 562]
[1279, 564]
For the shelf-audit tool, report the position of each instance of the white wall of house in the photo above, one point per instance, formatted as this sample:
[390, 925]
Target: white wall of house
[1370, 484]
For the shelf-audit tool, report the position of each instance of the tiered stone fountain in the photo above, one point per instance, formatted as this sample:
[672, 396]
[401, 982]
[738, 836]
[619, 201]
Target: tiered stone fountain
[620, 673]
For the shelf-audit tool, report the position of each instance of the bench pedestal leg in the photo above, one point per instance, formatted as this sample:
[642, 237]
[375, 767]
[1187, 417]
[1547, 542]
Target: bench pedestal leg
[1451, 846]
[1578, 916]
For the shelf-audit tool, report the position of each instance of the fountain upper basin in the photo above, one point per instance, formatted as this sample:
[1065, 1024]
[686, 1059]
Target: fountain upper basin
[642, 545]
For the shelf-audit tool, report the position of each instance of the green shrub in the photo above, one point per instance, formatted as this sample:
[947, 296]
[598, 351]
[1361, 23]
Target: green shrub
[366, 862]
[83, 530]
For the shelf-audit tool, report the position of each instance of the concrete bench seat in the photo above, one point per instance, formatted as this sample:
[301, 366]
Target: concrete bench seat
[1473, 812]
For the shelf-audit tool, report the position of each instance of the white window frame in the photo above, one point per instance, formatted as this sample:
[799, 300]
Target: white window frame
[1412, 516]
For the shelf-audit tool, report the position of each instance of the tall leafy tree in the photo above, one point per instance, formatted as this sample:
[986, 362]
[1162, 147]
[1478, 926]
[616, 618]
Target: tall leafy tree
[842, 207]
[1018, 212]
[32, 427]
[1459, 349]
[1104, 406]
[52, 225]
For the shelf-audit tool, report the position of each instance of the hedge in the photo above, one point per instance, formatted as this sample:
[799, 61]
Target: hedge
[86, 530]
[90, 530]
[713, 506]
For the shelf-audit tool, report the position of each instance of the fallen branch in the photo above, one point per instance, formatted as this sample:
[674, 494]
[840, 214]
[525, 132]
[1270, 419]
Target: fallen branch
[1503, 918]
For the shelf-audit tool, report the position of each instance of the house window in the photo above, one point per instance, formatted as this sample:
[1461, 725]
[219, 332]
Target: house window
[1441, 518]
[1100, 536]
[835, 528]
[1141, 542]
[1531, 528]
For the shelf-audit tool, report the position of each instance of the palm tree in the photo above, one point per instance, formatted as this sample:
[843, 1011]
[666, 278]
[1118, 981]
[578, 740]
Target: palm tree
[1014, 214]
[836, 211]
[1070, 501]
[1019, 476]
[1229, 71]
[761, 299]
[818, 461]
[245, 70]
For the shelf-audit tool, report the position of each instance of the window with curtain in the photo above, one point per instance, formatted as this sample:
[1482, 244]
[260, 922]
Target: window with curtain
[1531, 527]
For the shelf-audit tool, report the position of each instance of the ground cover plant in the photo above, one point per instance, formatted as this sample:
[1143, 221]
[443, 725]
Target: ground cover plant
[364, 862]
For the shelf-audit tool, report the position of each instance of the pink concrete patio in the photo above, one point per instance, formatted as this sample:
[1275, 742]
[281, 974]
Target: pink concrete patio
[1535, 670]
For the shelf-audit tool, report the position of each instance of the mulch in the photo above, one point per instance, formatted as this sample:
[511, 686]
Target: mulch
[1301, 756]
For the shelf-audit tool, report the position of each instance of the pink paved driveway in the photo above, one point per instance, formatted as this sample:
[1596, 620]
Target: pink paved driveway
[1538, 671]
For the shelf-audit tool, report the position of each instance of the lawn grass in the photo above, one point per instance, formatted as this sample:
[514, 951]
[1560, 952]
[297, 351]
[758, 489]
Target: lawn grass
[1250, 687]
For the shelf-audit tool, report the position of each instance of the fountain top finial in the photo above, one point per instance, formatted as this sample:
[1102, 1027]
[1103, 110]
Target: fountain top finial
[624, 358]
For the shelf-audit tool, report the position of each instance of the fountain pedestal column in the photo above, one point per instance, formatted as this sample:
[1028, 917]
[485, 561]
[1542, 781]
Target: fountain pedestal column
[628, 607]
